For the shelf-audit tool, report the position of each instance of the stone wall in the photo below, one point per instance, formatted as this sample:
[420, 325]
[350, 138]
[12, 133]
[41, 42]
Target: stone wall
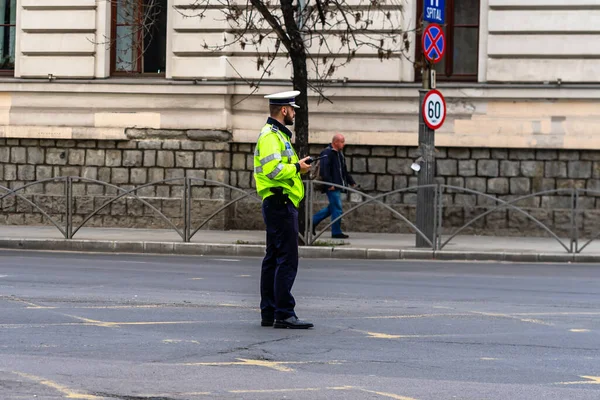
[126, 164]
[502, 174]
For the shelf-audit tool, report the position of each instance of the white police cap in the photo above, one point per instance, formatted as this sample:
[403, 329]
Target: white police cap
[284, 98]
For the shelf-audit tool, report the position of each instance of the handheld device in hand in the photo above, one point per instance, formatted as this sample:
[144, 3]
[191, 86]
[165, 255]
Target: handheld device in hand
[313, 159]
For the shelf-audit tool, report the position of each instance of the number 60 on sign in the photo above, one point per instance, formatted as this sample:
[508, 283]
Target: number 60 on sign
[434, 109]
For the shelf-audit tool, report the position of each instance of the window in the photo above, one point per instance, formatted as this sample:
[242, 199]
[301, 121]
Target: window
[460, 62]
[139, 36]
[8, 16]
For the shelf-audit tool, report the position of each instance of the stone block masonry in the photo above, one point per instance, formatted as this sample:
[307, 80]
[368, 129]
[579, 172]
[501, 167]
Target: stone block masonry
[125, 164]
[500, 174]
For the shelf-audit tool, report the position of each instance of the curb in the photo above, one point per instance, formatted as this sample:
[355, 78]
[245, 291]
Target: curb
[244, 250]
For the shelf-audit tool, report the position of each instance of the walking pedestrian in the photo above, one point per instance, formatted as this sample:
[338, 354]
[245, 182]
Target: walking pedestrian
[333, 170]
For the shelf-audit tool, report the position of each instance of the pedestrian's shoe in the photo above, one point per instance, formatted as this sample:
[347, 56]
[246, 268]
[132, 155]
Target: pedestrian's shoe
[266, 322]
[292, 323]
[340, 236]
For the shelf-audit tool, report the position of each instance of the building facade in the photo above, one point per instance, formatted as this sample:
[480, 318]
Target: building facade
[518, 75]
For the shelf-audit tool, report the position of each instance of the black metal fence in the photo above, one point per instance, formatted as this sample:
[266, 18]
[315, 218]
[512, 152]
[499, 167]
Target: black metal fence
[442, 236]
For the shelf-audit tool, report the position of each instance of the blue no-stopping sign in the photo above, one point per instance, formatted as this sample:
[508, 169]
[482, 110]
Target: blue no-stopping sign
[434, 11]
[434, 43]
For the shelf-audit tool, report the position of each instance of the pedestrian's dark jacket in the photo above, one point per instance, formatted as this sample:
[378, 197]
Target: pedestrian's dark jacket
[333, 168]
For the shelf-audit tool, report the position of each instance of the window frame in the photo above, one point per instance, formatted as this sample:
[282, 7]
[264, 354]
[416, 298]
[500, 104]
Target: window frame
[447, 75]
[139, 46]
[5, 71]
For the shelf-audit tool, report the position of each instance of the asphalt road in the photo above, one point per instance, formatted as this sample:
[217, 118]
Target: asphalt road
[86, 326]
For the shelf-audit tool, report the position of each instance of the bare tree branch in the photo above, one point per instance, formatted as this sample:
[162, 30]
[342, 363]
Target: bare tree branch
[268, 16]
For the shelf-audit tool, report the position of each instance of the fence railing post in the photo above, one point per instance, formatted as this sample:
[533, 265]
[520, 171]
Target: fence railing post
[69, 207]
[437, 217]
[187, 209]
[574, 228]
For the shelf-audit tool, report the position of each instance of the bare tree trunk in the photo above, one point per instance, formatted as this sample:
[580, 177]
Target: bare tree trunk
[300, 79]
[301, 83]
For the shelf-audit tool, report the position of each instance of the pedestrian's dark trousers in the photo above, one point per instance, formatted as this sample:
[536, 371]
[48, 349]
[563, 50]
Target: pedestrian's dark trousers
[280, 264]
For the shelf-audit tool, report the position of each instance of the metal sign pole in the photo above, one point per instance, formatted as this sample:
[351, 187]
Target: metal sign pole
[434, 46]
[426, 175]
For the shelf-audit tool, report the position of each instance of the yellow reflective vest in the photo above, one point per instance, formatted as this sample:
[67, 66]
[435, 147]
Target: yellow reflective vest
[275, 163]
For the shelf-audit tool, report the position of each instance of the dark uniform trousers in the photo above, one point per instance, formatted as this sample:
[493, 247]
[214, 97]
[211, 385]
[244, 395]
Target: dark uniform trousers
[280, 264]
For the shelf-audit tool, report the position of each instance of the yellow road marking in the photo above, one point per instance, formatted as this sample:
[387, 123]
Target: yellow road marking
[156, 323]
[579, 330]
[118, 307]
[383, 335]
[592, 380]
[107, 324]
[560, 313]
[292, 390]
[40, 308]
[243, 276]
[267, 364]
[309, 389]
[16, 326]
[276, 390]
[276, 365]
[389, 395]
[418, 316]
[488, 359]
[160, 395]
[41, 346]
[30, 304]
[529, 320]
[93, 321]
[35, 306]
[69, 393]
[180, 341]
[377, 335]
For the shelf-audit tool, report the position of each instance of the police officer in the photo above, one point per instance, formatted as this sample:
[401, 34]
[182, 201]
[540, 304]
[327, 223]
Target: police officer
[277, 172]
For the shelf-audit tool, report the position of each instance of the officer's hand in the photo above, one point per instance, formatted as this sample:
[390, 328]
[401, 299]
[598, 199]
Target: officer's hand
[304, 167]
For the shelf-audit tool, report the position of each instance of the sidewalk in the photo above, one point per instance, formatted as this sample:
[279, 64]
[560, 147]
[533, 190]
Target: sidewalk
[251, 243]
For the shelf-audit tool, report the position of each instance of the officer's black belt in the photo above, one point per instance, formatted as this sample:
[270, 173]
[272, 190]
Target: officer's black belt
[279, 198]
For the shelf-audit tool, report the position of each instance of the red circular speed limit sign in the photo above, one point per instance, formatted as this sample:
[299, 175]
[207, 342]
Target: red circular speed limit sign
[434, 109]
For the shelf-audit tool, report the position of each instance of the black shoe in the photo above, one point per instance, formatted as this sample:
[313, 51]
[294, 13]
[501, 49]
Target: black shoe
[292, 323]
[314, 232]
[340, 236]
[267, 322]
